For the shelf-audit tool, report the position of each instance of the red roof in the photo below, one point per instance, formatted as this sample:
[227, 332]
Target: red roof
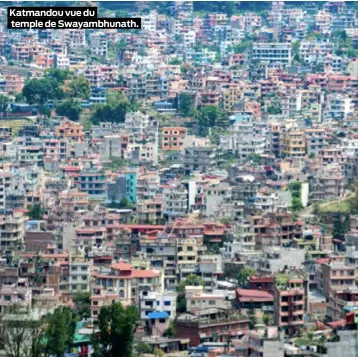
[121, 266]
[244, 295]
[261, 279]
[337, 323]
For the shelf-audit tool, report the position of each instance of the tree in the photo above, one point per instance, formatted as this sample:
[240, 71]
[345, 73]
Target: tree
[296, 204]
[275, 108]
[170, 330]
[186, 104]
[208, 116]
[57, 74]
[115, 109]
[255, 158]
[61, 325]
[267, 319]
[243, 276]
[242, 46]
[78, 87]
[20, 336]
[339, 227]
[36, 212]
[142, 348]
[191, 280]
[69, 108]
[82, 304]
[39, 91]
[252, 316]
[158, 352]
[4, 104]
[116, 331]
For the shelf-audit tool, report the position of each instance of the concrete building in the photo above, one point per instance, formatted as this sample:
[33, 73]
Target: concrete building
[272, 52]
[289, 301]
[79, 276]
[173, 138]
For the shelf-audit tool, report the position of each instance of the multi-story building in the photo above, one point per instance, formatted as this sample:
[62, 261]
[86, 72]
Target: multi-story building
[173, 138]
[98, 44]
[293, 143]
[199, 158]
[289, 301]
[12, 230]
[79, 275]
[338, 274]
[175, 201]
[127, 283]
[187, 253]
[272, 52]
[91, 181]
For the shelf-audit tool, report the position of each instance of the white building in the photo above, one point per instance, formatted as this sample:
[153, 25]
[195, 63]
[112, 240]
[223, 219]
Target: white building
[79, 276]
[151, 301]
[98, 44]
[272, 52]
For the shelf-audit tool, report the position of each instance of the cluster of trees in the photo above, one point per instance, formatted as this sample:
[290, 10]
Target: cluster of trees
[191, 280]
[61, 87]
[114, 110]
[341, 226]
[344, 44]
[296, 188]
[117, 326]
[36, 212]
[53, 334]
[206, 116]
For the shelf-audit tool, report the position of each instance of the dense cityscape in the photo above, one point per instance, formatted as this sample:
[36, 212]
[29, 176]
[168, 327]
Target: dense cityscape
[184, 189]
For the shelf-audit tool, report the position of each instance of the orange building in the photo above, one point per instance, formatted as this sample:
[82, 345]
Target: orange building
[70, 130]
[14, 83]
[173, 138]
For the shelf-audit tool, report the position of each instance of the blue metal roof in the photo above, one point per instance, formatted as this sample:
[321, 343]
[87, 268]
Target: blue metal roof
[158, 315]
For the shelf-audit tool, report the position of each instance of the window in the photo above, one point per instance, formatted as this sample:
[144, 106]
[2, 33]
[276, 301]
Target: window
[211, 302]
[122, 293]
[167, 303]
[162, 321]
[95, 303]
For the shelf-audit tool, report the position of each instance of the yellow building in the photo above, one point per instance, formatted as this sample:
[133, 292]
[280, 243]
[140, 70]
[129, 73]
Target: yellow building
[293, 143]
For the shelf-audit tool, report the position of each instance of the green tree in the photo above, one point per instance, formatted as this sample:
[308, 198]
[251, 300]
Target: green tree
[267, 319]
[191, 280]
[57, 74]
[115, 109]
[252, 316]
[4, 104]
[69, 108]
[82, 304]
[21, 337]
[36, 212]
[186, 104]
[60, 331]
[255, 158]
[142, 348]
[39, 91]
[243, 275]
[242, 46]
[296, 204]
[78, 87]
[170, 330]
[275, 108]
[208, 116]
[117, 326]
[340, 227]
